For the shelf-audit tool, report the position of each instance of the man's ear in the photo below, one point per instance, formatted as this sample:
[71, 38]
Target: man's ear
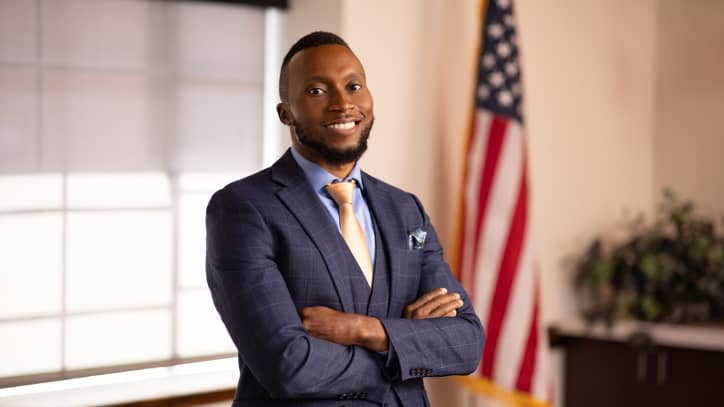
[284, 114]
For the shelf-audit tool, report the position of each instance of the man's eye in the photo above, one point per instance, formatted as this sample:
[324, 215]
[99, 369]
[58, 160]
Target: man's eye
[316, 91]
[355, 87]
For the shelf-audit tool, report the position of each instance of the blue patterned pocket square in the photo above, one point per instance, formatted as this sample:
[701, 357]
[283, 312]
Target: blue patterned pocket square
[416, 240]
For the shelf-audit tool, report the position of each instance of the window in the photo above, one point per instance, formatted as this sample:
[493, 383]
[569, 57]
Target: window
[118, 120]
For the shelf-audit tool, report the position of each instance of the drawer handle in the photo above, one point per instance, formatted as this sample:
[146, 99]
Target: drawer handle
[661, 371]
[641, 366]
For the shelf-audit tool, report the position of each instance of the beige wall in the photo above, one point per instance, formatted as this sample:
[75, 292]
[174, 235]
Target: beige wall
[589, 80]
[305, 16]
[690, 102]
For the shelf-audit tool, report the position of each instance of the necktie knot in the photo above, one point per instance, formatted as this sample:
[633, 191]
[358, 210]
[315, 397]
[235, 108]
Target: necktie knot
[342, 192]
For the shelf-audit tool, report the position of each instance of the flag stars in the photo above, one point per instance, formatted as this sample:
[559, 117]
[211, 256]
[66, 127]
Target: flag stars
[488, 61]
[511, 69]
[495, 30]
[503, 49]
[499, 89]
[483, 92]
[497, 79]
[508, 20]
[505, 98]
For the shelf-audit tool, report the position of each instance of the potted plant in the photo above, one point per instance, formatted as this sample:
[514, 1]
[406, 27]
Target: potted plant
[671, 270]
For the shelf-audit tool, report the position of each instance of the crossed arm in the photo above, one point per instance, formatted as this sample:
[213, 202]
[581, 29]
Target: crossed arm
[354, 329]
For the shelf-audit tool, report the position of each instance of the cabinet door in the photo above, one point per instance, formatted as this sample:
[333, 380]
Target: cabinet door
[605, 374]
[686, 377]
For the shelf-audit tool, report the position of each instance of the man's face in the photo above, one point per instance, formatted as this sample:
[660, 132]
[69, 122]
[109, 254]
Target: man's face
[329, 106]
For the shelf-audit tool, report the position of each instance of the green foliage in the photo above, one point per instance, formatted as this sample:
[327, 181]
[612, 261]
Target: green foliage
[669, 271]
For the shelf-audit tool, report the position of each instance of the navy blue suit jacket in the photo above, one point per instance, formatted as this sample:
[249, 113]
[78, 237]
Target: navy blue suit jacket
[273, 250]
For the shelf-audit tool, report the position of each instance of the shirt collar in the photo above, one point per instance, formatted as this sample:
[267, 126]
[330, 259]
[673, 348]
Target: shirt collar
[319, 177]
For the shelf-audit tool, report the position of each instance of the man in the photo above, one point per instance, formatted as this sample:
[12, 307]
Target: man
[331, 283]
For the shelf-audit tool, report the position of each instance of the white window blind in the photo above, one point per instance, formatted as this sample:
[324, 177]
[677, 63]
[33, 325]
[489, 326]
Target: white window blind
[118, 120]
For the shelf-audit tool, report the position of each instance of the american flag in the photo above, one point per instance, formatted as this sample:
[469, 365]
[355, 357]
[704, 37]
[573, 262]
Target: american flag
[496, 263]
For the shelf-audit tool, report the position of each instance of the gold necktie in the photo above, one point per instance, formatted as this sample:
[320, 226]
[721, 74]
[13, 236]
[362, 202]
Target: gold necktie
[343, 195]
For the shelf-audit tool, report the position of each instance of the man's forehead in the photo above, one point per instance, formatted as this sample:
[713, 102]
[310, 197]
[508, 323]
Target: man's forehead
[325, 59]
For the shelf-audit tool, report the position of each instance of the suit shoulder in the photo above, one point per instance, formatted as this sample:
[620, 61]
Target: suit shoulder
[259, 181]
[395, 192]
[254, 187]
[409, 203]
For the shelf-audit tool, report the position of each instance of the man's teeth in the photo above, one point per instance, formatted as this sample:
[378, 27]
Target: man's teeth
[344, 126]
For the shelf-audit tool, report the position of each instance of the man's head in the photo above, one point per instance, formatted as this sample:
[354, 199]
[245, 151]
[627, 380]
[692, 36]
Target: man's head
[325, 100]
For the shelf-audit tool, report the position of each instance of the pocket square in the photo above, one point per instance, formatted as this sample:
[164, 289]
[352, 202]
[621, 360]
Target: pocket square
[416, 239]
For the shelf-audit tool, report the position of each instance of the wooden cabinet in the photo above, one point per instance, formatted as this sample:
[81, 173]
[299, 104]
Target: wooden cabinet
[637, 370]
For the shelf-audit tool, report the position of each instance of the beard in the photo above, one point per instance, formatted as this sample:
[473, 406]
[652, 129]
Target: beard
[332, 155]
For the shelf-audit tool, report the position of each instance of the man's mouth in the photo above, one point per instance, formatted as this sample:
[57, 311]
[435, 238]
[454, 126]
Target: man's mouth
[341, 126]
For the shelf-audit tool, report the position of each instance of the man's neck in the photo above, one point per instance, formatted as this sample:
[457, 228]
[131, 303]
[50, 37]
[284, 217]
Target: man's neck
[340, 171]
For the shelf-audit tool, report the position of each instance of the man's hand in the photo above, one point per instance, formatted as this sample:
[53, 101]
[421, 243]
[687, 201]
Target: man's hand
[345, 328]
[434, 304]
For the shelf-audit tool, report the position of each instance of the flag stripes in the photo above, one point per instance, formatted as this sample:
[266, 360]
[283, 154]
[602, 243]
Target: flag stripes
[495, 260]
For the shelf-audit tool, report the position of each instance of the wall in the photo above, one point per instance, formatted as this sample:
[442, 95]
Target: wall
[589, 111]
[690, 102]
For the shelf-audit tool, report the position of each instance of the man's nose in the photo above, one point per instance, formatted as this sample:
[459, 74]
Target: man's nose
[340, 101]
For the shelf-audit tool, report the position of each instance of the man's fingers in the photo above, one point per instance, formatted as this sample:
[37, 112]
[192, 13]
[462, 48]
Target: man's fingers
[446, 308]
[427, 297]
[438, 306]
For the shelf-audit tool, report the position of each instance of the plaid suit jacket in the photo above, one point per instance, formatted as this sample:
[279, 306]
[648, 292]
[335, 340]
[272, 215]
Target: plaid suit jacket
[273, 250]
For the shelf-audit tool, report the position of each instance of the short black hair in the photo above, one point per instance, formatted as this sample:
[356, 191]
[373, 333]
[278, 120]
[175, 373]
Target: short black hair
[311, 40]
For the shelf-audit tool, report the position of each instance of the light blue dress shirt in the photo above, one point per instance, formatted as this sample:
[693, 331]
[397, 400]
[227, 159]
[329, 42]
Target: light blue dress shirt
[319, 178]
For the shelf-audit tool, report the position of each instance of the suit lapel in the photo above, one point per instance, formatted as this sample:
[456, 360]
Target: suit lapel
[391, 227]
[303, 203]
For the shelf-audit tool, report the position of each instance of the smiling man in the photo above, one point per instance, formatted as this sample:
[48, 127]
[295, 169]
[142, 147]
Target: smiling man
[331, 283]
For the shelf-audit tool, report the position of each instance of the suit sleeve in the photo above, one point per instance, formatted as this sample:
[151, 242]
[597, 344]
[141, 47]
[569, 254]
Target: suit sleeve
[436, 346]
[254, 302]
